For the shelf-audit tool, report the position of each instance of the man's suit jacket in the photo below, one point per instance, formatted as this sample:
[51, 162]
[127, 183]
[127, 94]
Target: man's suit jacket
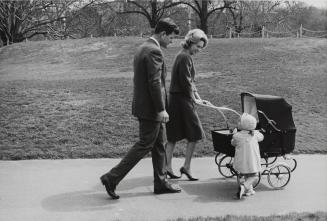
[149, 96]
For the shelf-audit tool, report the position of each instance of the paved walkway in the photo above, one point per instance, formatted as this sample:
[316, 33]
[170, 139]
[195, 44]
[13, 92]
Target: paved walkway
[68, 190]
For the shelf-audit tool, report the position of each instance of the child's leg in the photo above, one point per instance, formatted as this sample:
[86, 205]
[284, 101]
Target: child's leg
[241, 189]
[250, 179]
[246, 185]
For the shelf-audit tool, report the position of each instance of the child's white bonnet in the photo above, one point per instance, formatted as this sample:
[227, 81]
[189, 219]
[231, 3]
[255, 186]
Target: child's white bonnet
[248, 122]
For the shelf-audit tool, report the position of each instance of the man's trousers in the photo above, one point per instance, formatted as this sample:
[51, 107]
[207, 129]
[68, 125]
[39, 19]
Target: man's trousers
[152, 137]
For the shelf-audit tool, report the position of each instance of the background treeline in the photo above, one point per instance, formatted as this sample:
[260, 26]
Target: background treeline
[61, 19]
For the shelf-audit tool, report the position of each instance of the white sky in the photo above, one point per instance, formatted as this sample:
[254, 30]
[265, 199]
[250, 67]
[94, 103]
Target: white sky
[316, 3]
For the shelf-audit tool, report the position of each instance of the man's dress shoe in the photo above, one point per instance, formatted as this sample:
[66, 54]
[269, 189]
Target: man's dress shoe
[167, 189]
[110, 188]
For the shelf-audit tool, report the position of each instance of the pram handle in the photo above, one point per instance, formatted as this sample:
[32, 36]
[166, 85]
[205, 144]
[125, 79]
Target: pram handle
[272, 123]
[219, 109]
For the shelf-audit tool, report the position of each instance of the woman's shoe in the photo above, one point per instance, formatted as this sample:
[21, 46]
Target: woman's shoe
[183, 171]
[172, 175]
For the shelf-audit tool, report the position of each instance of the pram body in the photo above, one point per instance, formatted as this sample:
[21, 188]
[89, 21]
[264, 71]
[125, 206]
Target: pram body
[275, 122]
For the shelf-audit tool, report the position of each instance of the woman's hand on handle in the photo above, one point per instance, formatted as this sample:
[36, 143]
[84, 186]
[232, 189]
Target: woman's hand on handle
[207, 102]
[203, 102]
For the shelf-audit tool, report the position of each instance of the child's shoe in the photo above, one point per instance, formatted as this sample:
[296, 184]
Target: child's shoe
[241, 191]
[250, 192]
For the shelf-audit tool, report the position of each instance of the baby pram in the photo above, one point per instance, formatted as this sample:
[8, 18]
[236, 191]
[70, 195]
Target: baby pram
[275, 121]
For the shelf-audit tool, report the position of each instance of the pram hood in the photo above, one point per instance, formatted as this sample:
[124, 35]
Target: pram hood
[274, 107]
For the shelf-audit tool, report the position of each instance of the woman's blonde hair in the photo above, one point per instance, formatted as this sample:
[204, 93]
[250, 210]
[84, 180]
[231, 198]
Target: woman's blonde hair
[193, 37]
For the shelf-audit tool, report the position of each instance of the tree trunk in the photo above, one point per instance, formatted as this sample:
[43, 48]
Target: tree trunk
[204, 25]
[154, 12]
[3, 38]
[203, 16]
[153, 23]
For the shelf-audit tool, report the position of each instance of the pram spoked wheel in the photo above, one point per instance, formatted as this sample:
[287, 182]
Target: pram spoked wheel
[217, 158]
[279, 176]
[225, 166]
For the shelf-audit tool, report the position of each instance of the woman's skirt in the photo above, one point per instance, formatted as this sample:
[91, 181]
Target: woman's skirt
[184, 122]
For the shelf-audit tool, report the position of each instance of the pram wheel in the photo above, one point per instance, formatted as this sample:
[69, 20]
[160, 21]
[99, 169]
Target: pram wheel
[291, 162]
[217, 158]
[279, 176]
[225, 166]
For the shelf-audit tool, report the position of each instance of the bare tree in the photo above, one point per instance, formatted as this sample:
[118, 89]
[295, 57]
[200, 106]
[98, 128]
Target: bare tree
[20, 20]
[84, 22]
[205, 8]
[180, 14]
[251, 14]
[152, 10]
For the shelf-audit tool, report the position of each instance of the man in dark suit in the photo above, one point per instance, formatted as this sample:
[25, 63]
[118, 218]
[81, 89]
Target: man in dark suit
[149, 106]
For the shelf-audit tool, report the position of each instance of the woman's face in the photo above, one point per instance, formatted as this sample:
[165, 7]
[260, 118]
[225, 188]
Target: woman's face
[195, 48]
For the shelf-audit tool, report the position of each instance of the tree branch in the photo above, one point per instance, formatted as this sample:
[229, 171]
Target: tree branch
[191, 6]
[137, 12]
[213, 10]
[37, 33]
[139, 6]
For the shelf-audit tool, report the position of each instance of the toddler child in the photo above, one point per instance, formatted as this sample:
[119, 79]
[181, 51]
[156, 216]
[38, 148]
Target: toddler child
[247, 153]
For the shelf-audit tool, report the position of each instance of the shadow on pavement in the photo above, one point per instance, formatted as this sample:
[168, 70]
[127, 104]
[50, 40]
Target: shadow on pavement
[96, 199]
[77, 201]
[214, 190]
[207, 191]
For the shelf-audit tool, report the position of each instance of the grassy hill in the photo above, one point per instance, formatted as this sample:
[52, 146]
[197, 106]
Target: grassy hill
[72, 99]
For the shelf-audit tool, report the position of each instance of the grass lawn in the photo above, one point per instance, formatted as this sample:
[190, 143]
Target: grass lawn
[72, 99]
[318, 216]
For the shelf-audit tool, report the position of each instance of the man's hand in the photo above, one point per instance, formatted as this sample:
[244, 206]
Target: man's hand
[163, 116]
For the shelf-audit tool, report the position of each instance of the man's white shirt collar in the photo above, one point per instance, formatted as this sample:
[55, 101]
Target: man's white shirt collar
[155, 40]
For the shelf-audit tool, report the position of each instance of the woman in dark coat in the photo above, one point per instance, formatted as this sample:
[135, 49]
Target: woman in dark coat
[184, 122]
